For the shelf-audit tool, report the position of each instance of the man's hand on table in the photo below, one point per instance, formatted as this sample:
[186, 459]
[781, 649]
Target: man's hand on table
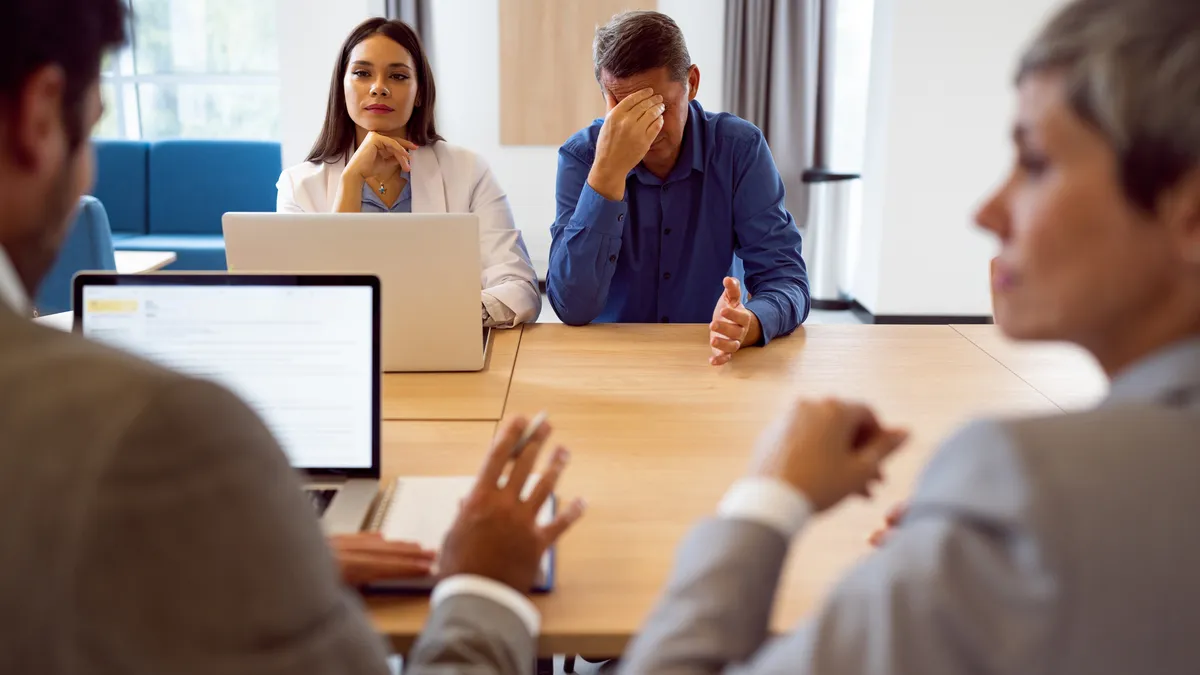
[732, 325]
[826, 450]
[368, 557]
[496, 534]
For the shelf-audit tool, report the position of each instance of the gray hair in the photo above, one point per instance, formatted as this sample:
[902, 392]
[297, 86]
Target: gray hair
[637, 41]
[1132, 71]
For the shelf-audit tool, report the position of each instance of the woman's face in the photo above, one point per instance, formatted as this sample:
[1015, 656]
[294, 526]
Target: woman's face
[381, 85]
[1078, 260]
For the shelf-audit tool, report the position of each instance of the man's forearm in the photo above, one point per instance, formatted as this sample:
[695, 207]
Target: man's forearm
[779, 312]
[471, 633]
[583, 257]
[717, 607]
[607, 183]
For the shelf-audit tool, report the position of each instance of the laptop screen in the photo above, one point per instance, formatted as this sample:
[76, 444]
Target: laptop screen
[302, 356]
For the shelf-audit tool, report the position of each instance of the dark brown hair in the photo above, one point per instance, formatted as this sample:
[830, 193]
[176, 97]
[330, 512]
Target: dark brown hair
[71, 34]
[336, 140]
[634, 42]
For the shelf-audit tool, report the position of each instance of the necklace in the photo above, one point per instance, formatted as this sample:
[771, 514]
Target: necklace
[383, 188]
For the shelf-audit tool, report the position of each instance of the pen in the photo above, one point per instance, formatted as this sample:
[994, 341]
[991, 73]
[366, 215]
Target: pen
[530, 430]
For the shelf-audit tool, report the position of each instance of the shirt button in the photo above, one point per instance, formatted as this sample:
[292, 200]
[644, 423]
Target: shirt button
[620, 217]
[612, 258]
[666, 275]
[667, 231]
[666, 320]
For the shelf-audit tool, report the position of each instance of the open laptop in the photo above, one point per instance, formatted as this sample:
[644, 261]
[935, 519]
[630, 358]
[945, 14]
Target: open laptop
[429, 266]
[301, 350]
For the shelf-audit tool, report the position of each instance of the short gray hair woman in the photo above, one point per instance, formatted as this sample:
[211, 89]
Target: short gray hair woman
[1063, 543]
[1099, 220]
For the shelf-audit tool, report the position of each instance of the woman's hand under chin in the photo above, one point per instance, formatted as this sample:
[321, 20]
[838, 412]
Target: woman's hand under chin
[379, 155]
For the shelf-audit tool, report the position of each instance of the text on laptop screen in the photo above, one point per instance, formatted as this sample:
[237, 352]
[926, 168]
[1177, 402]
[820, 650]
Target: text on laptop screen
[300, 356]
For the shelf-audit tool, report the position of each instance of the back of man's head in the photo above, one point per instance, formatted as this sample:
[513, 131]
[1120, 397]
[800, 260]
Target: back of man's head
[50, 55]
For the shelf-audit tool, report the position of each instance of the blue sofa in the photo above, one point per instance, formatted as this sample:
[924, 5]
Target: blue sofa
[87, 246]
[170, 195]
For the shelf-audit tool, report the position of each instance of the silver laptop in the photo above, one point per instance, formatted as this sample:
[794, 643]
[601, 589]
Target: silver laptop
[429, 265]
[301, 350]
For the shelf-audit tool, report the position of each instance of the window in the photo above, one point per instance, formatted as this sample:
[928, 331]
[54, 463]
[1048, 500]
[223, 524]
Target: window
[195, 69]
[847, 141]
[851, 83]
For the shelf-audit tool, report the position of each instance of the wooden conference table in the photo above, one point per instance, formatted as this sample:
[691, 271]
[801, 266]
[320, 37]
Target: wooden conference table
[657, 435]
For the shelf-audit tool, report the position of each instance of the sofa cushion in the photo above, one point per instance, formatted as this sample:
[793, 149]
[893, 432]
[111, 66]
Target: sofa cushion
[193, 252]
[192, 183]
[121, 170]
[88, 246]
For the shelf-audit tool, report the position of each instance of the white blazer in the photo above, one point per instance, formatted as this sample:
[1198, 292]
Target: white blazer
[445, 179]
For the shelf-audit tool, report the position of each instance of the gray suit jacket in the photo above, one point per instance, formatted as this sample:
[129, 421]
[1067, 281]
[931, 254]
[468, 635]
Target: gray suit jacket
[1062, 544]
[152, 525]
[472, 634]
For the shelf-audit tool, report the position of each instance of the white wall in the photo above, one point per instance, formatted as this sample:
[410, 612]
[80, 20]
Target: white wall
[466, 62]
[940, 106]
[310, 33]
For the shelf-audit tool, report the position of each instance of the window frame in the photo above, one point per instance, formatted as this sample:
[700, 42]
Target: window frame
[125, 81]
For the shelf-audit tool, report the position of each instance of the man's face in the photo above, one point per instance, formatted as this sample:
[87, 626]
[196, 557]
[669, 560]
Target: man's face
[43, 176]
[676, 95]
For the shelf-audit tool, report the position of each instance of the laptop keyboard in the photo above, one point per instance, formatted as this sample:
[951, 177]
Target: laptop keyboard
[320, 499]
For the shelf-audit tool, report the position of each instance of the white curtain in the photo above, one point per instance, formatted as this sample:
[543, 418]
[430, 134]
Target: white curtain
[772, 65]
[419, 15]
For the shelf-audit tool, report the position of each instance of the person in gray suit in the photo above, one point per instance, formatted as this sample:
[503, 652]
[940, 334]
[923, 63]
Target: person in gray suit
[1058, 544]
[151, 523]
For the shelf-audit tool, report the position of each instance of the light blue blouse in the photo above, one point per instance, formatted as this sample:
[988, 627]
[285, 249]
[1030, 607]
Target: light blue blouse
[372, 203]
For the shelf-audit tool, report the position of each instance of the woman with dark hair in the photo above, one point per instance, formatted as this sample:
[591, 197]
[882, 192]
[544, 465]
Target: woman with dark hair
[379, 152]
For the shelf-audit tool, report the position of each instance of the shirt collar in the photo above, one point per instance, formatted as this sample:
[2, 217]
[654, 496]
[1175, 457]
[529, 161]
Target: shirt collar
[370, 196]
[12, 291]
[1169, 372]
[691, 151]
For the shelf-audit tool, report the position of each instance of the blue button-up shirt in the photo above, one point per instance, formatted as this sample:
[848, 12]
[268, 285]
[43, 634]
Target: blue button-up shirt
[661, 254]
[373, 203]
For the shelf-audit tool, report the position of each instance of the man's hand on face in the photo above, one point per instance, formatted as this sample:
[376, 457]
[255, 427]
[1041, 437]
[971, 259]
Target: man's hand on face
[629, 129]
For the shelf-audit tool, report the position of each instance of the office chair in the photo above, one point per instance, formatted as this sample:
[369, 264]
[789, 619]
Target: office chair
[88, 246]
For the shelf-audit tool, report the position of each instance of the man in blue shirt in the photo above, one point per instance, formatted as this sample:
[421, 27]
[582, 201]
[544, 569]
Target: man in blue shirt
[662, 206]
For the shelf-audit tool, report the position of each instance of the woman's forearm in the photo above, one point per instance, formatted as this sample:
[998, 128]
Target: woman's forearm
[349, 194]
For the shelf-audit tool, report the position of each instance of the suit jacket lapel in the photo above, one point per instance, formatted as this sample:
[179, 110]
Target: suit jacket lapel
[333, 176]
[428, 188]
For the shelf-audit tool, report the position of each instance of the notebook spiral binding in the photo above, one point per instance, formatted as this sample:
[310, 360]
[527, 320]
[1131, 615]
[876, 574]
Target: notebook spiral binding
[379, 517]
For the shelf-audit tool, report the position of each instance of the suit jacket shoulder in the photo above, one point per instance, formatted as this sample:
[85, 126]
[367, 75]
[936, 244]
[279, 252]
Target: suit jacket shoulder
[171, 533]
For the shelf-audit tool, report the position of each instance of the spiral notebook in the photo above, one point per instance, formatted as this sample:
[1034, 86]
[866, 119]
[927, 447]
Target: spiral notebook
[422, 509]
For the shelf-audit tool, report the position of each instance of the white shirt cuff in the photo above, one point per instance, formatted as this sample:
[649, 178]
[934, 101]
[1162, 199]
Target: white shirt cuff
[470, 584]
[767, 501]
[495, 313]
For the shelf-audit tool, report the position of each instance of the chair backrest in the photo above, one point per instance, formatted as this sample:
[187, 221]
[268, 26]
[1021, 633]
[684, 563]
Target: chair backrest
[195, 182]
[121, 172]
[88, 246]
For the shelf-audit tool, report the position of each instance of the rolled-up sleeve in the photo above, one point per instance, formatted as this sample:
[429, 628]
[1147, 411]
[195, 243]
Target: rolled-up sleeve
[585, 243]
[769, 243]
